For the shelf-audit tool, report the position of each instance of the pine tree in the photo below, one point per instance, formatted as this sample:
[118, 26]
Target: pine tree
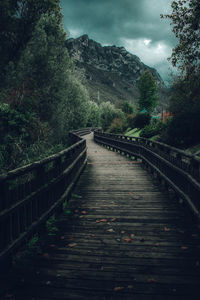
[147, 86]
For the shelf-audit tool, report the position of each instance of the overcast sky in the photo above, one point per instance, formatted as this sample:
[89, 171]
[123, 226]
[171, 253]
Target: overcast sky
[134, 24]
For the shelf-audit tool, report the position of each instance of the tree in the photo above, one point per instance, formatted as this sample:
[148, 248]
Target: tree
[185, 18]
[127, 108]
[94, 114]
[141, 120]
[147, 86]
[17, 23]
[108, 113]
[41, 99]
[184, 129]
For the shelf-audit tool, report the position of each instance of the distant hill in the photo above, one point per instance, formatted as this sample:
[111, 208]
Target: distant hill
[111, 72]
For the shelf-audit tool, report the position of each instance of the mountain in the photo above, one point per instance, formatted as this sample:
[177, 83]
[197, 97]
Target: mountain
[111, 72]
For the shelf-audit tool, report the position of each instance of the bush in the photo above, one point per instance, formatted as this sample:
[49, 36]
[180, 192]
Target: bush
[141, 120]
[183, 130]
[154, 128]
[117, 126]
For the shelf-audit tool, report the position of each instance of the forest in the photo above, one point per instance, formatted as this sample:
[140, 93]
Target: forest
[43, 97]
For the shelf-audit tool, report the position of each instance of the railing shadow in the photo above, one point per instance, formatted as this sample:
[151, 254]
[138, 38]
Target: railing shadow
[30, 194]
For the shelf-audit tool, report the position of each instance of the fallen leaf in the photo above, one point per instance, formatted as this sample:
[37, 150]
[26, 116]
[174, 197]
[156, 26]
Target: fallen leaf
[166, 229]
[122, 232]
[72, 245]
[184, 248]
[81, 217]
[113, 219]
[128, 240]
[111, 230]
[84, 212]
[62, 237]
[46, 255]
[71, 238]
[151, 280]
[130, 193]
[195, 235]
[118, 288]
[132, 235]
[76, 211]
[130, 287]
[102, 220]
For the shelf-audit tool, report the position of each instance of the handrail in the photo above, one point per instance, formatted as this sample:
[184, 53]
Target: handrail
[30, 194]
[179, 169]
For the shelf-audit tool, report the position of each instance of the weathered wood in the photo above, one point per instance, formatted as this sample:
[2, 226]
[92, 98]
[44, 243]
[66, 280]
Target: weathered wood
[125, 239]
[29, 195]
[178, 169]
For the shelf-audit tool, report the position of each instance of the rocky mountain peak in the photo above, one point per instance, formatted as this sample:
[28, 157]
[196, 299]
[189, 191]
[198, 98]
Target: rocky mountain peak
[109, 67]
[109, 58]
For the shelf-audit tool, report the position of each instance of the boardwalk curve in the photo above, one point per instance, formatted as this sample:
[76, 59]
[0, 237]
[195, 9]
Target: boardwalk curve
[126, 240]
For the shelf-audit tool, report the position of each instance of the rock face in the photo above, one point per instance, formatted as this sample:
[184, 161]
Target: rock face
[111, 72]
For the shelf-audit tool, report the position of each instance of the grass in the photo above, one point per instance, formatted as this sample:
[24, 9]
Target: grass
[155, 137]
[194, 149]
[133, 132]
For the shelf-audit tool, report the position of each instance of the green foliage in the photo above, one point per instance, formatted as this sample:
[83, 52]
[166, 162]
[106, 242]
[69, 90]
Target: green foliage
[17, 22]
[133, 132]
[117, 126]
[25, 255]
[93, 115]
[184, 129]
[41, 99]
[154, 128]
[127, 108]
[185, 18]
[141, 120]
[51, 227]
[108, 113]
[148, 92]
[19, 132]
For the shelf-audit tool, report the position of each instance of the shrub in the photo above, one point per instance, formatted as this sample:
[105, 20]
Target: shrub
[117, 126]
[141, 120]
[154, 128]
[183, 130]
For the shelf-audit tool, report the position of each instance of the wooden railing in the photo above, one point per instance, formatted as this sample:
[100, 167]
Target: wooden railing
[29, 195]
[179, 170]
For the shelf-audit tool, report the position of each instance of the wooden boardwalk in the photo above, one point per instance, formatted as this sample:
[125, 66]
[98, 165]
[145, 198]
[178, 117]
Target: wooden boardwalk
[125, 240]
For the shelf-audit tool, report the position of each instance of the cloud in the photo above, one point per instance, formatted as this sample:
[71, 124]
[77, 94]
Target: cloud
[126, 23]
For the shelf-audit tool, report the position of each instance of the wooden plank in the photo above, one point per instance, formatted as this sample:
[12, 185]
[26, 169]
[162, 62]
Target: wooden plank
[123, 232]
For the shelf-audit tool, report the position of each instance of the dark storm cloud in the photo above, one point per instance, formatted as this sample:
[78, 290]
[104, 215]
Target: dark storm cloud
[123, 22]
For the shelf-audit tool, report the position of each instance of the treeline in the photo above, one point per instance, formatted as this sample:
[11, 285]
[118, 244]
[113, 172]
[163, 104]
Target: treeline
[184, 128]
[41, 99]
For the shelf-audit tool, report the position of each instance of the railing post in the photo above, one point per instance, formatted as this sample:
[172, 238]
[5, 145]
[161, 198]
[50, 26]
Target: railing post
[2, 195]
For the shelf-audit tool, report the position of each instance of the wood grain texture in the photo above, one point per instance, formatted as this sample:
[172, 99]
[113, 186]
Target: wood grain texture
[126, 239]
